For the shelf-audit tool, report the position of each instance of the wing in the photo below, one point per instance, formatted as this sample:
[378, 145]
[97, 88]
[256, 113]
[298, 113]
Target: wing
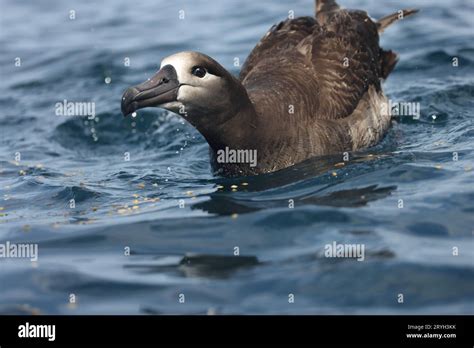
[336, 60]
[346, 60]
[278, 40]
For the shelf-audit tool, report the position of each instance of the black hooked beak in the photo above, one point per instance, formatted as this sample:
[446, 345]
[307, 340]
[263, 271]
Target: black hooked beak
[160, 89]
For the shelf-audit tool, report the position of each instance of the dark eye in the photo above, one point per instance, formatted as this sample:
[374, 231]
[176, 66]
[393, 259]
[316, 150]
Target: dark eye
[199, 71]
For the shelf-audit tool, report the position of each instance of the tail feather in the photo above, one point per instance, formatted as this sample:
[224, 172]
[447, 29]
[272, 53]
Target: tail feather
[386, 21]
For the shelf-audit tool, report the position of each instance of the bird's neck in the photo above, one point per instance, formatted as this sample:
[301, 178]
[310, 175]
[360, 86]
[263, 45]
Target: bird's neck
[239, 129]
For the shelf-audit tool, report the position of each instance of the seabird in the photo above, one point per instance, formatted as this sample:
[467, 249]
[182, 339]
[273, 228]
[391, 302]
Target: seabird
[310, 87]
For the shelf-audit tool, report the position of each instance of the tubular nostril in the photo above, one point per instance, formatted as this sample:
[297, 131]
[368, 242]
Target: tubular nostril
[164, 80]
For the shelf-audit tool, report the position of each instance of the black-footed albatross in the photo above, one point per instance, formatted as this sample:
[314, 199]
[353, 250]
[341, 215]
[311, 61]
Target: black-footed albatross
[311, 87]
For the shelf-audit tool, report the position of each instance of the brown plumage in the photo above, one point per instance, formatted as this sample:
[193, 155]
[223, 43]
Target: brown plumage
[310, 87]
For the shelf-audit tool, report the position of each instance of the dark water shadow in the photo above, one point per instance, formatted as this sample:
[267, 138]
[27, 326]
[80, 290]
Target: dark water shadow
[200, 266]
[309, 183]
[222, 204]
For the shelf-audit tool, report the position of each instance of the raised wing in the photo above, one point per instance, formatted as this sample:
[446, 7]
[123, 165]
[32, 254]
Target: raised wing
[335, 62]
[346, 60]
[278, 40]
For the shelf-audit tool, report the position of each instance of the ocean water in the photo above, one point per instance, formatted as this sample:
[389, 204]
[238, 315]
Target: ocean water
[409, 200]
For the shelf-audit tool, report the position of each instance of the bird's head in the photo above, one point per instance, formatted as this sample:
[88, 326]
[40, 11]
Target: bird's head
[192, 85]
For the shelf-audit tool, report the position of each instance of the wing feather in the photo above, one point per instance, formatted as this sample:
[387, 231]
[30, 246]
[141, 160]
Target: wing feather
[339, 60]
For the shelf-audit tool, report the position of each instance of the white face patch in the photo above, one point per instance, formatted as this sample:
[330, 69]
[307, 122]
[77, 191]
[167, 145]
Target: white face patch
[182, 63]
[194, 90]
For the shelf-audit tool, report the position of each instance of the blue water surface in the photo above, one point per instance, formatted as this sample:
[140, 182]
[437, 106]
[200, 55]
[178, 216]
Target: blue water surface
[408, 200]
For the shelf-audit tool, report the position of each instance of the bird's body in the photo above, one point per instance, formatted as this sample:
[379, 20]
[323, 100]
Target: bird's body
[311, 87]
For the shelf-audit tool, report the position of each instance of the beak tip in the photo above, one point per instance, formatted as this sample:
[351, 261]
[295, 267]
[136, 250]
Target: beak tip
[129, 105]
[125, 113]
[160, 89]
[125, 110]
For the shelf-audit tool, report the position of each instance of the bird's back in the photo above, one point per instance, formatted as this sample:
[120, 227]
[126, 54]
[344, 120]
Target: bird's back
[315, 83]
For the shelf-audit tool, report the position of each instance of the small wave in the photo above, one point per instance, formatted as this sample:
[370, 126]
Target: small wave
[437, 59]
[78, 193]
